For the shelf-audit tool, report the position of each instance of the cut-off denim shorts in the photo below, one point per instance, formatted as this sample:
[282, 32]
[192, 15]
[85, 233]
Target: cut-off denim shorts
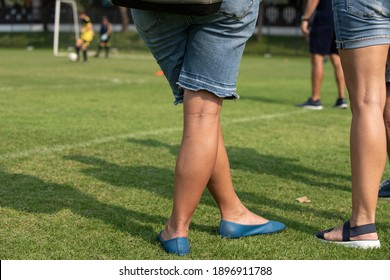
[361, 23]
[200, 52]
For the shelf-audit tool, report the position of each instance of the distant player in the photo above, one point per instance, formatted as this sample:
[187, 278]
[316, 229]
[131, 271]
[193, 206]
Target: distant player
[86, 36]
[321, 35]
[104, 39]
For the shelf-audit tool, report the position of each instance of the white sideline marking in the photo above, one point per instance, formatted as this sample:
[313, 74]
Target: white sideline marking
[264, 117]
[116, 55]
[60, 148]
[7, 88]
[89, 84]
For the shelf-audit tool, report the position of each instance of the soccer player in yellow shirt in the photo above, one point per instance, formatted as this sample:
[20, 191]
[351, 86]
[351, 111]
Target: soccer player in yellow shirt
[86, 36]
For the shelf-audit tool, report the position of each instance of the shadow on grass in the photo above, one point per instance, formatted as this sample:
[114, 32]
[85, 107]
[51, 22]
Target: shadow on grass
[263, 99]
[31, 194]
[152, 179]
[291, 207]
[147, 178]
[250, 160]
[159, 181]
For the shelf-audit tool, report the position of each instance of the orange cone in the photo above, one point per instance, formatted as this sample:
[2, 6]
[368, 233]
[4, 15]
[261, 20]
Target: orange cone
[159, 73]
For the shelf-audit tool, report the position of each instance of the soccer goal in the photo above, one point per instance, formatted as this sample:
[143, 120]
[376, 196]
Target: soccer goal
[58, 27]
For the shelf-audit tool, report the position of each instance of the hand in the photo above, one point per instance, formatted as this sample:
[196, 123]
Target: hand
[305, 27]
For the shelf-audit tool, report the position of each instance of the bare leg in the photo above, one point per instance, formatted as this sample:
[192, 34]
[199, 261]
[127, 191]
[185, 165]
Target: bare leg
[317, 75]
[364, 70]
[203, 161]
[339, 74]
[387, 118]
[386, 114]
[221, 188]
[196, 160]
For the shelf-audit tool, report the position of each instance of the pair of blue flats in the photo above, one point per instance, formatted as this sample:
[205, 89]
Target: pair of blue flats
[180, 245]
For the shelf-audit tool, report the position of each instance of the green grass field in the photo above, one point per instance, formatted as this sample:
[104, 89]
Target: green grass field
[87, 155]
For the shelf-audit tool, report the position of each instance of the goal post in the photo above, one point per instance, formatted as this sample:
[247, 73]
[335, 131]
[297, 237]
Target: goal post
[57, 22]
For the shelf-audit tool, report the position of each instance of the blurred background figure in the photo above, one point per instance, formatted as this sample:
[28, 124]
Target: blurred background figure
[86, 36]
[104, 38]
[317, 24]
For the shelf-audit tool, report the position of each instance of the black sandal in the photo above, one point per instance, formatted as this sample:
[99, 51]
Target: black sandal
[352, 232]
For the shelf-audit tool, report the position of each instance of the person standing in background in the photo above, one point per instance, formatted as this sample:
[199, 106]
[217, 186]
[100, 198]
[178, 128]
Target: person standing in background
[317, 24]
[104, 38]
[86, 36]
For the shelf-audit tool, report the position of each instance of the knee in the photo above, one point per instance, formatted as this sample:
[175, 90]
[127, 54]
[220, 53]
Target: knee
[368, 106]
[317, 64]
[202, 104]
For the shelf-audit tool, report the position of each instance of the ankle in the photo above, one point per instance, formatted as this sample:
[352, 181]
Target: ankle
[234, 214]
[173, 230]
[315, 98]
[361, 220]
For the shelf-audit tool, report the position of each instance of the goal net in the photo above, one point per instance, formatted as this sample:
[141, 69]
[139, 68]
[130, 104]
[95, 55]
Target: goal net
[66, 25]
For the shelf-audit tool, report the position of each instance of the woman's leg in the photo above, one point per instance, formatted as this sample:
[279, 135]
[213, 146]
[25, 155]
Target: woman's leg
[221, 188]
[364, 70]
[386, 114]
[196, 160]
[203, 161]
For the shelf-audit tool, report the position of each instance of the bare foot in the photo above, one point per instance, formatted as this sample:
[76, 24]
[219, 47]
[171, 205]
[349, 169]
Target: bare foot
[244, 217]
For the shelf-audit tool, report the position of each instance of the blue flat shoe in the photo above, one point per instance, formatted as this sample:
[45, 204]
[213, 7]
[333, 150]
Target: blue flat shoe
[179, 246]
[234, 230]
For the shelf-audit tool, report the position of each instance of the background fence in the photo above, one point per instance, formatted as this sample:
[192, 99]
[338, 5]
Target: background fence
[31, 22]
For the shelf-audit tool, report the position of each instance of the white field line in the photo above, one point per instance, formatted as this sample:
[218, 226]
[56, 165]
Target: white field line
[116, 56]
[7, 88]
[91, 83]
[60, 148]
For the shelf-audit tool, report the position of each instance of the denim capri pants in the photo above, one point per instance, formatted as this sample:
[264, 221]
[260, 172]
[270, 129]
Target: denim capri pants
[200, 52]
[361, 23]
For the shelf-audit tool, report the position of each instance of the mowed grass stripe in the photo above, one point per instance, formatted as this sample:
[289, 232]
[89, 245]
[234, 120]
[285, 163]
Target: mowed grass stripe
[60, 148]
[87, 161]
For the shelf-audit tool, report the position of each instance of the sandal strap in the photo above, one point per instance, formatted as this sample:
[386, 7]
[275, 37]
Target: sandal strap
[355, 231]
[346, 231]
[364, 229]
